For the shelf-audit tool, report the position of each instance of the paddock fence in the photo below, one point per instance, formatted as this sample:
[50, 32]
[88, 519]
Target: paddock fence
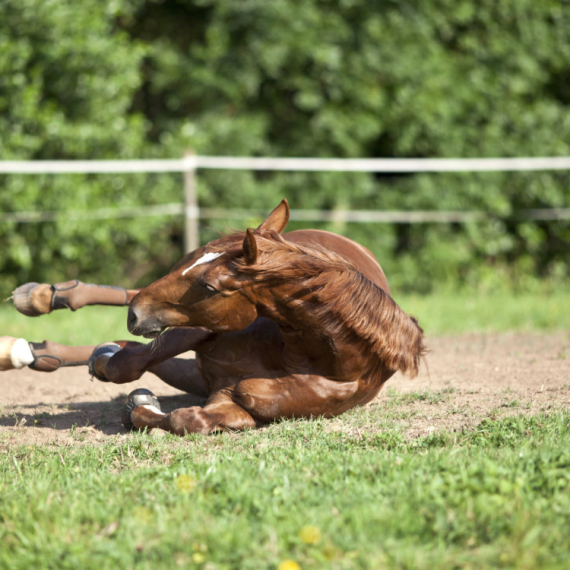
[190, 209]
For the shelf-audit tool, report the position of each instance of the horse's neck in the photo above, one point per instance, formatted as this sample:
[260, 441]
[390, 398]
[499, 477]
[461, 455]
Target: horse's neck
[346, 323]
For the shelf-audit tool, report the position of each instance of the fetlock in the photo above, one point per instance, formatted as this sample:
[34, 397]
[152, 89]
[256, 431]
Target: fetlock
[65, 295]
[99, 358]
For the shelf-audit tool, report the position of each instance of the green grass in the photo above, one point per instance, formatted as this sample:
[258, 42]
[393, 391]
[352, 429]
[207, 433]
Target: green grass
[498, 496]
[448, 313]
[90, 325]
[438, 313]
[495, 497]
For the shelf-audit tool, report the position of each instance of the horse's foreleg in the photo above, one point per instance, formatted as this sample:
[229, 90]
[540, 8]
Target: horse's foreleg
[35, 299]
[135, 359]
[219, 414]
[180, 373]
[256, 401]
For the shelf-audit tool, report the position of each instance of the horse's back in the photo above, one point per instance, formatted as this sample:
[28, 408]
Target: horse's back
[358, 255]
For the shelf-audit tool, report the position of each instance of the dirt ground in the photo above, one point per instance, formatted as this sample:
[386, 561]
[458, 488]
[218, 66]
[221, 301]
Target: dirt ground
[471, 377]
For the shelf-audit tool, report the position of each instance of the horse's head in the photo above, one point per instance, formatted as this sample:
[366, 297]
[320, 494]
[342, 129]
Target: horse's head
[204, 289]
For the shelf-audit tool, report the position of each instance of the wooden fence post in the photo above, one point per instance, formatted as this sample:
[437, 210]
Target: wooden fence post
[191, 211]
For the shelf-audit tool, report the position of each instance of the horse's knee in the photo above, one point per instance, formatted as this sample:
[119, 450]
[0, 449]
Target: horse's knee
[191, 420]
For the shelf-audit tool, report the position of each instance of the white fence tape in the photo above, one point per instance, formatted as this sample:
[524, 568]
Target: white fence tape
[94, 214]
[95, 166]
[395, 165]
[190, 163]
[339, 216]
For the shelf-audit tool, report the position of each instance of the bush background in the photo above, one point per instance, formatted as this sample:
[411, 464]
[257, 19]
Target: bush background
[349, 78]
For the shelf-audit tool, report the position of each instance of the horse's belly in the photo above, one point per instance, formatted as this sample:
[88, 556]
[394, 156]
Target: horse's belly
[235, 356]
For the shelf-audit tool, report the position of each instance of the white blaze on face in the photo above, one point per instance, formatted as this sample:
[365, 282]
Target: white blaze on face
[206, 258]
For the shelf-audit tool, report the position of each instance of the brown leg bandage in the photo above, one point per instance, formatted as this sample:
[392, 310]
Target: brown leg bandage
[50, 356]
[35, 299]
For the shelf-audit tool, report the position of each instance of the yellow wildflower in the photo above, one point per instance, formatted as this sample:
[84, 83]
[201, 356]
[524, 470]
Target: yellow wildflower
[185, 483]
[288, 565]
[142, 514]
[310, 534]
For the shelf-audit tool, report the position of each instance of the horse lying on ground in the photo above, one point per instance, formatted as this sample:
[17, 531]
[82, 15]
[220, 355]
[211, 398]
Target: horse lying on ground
[287, 325]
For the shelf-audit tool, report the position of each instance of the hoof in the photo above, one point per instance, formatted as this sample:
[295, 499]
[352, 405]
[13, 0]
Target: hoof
[15, 353]
[139, 397]
[33, 299]
[107, 348]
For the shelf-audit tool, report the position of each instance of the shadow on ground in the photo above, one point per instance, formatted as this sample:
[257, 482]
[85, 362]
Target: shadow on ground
[104, 417]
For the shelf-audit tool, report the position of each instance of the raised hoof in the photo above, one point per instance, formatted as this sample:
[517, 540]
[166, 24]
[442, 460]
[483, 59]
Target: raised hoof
[33, 299]
[108, 348]
[139, 397]
[15, 353]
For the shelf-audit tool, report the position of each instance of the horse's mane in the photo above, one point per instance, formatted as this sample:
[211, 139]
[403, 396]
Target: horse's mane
[345, 304]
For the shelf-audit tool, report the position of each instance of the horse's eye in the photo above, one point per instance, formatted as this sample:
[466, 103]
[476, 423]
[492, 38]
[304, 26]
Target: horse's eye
[210, 288]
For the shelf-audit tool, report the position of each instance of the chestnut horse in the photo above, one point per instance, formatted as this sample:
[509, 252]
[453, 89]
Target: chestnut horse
[288, 325]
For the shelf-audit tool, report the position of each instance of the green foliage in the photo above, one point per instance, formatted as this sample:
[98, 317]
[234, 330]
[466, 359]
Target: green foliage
[68, 76]
[497, 497]
[355, 78]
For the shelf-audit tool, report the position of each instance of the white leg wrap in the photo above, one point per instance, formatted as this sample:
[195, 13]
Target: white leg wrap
[152, 409]
[21, 353]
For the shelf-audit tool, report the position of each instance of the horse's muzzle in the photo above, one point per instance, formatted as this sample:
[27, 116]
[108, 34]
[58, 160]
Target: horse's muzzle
[149, 327]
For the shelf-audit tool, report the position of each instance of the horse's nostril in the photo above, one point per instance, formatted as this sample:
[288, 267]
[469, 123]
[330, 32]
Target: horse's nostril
[131, 319]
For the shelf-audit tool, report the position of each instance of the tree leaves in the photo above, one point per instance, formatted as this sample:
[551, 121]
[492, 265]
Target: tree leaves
[361, 78]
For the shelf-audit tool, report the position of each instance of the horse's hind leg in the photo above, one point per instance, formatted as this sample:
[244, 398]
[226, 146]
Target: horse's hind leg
[35, 299]
[44, 356]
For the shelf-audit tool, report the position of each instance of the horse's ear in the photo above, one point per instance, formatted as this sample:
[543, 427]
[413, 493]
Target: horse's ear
[249, 247]
[278, 219]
